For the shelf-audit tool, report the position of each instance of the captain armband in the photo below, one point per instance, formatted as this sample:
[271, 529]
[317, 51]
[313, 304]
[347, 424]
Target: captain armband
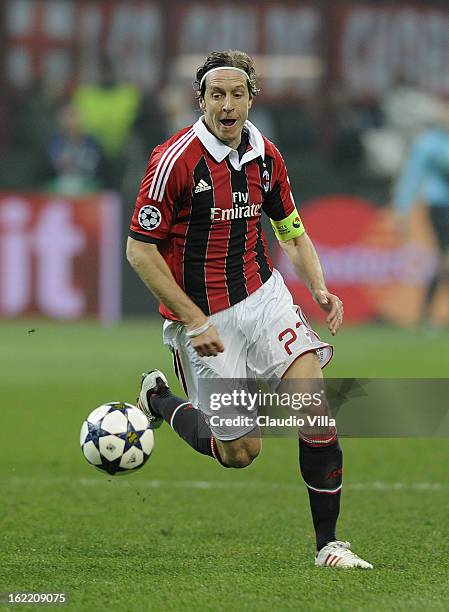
[288, 228]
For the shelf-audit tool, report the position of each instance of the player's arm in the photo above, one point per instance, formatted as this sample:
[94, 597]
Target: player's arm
[151, 225]
[155, 273]
[287, 225]
[151, 267]
[305, 261]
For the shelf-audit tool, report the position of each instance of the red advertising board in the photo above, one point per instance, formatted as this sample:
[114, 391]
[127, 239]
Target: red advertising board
[60, 257]
[376, 274]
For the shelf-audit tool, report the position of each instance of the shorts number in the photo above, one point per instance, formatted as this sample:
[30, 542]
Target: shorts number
[293, 336]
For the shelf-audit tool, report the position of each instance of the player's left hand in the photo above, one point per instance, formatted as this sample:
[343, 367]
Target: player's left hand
[333, 306]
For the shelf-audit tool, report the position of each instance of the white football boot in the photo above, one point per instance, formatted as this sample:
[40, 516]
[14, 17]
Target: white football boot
[339, 554]
[152, 382]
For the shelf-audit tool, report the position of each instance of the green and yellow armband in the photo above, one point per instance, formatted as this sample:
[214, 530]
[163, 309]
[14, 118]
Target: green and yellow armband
[288, 228]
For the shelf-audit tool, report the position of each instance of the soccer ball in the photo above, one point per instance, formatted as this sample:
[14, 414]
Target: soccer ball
[116, 438]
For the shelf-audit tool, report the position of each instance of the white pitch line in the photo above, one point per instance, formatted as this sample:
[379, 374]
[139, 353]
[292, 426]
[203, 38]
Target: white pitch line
[215, 484]
[207, 484]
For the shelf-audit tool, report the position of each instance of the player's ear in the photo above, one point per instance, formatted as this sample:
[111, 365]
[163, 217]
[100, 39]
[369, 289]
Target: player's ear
[202, 104]
[250, 103]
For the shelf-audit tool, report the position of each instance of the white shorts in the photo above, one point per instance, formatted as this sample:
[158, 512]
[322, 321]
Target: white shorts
[262, 335]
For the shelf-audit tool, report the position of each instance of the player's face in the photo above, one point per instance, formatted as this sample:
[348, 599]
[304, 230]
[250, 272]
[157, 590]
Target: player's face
[226, 104]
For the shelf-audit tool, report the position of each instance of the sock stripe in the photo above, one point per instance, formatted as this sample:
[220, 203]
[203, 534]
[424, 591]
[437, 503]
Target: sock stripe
[212, 447]
[329, 491]
[215, 452]
[176, 410]
[319, 440]
[319, 444]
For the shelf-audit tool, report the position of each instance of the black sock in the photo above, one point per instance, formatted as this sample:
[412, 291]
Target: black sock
[188, 422]
[321, 468]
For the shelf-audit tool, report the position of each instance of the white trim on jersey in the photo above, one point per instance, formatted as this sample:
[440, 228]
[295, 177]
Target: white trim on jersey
[174, 150]
[219, 150]
[215, 147]
[170, 167]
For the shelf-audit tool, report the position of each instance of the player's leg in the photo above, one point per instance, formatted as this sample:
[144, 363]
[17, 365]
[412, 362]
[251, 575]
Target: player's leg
[440, 277]
[439, 218]
[159, 404]
[231, 446]
[289, 354]
[320, 455]
[321, 465]
[239, 453]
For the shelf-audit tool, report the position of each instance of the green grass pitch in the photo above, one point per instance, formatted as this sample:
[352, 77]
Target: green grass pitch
[185, 534]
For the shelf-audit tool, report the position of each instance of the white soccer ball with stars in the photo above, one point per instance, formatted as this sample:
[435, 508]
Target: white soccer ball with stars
[116, 438]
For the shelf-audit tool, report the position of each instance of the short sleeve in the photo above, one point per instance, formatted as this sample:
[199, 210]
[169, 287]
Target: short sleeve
[278, 202]
[160, 190]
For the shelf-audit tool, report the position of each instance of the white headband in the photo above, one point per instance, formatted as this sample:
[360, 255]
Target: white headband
[222, 68]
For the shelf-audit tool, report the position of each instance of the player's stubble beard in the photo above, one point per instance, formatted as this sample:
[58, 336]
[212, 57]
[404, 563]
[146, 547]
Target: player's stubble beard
[230, 141]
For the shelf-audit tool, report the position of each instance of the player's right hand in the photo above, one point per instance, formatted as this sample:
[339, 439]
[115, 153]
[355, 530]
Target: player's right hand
[208, 344]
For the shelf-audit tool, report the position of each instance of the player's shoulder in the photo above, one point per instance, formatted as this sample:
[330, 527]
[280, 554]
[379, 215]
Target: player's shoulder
[177, 143]
[180, 136]
[176, 150]
[170, 163]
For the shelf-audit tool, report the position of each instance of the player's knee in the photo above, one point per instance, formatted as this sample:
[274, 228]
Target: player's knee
[241, 459]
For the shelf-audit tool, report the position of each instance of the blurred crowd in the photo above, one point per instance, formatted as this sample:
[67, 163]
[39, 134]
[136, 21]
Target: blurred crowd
[98, 136]
[89, 139]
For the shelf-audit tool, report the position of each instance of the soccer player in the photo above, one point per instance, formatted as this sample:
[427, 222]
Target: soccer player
[425, 178]
[196, 242]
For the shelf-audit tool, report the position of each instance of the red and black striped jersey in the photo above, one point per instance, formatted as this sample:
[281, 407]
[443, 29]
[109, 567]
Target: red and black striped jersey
[201, 203]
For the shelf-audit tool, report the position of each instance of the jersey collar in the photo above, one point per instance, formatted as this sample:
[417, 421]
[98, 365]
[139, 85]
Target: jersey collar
[219, 151]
